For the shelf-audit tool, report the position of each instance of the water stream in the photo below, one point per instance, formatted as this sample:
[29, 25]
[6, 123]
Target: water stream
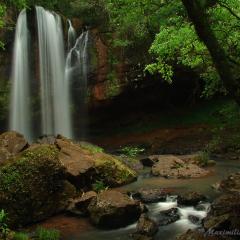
[20, 117]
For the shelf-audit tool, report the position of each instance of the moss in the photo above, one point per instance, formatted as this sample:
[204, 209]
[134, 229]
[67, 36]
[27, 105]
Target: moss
[112, 171]
[91, 147]
[32, 185]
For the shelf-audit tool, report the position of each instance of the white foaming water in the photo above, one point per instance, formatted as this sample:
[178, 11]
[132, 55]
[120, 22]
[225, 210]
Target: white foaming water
[20, 119]
[54, 89]
[71, 35]
[76, 70]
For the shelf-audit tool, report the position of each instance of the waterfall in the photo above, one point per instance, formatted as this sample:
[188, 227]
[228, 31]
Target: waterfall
[20, 118]
[55, 103]
[76, 73]
[71, 35]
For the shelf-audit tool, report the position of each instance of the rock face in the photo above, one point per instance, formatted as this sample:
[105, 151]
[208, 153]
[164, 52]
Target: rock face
[79, 206]
[11, 143]
[190, 198]
[112, 209]
[168, 216]
[32, 186]
[151, 195]
[84, 166]
[170, 166]
[146, 228]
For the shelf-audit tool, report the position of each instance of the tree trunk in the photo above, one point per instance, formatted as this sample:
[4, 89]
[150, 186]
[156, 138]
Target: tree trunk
[199, 18]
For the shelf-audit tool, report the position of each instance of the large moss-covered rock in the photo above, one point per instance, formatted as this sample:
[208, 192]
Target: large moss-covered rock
[84, 165]
[32, 185]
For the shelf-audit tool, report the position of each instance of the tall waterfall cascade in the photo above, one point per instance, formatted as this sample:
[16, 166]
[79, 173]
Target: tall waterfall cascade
[54, 87]
[20, 117]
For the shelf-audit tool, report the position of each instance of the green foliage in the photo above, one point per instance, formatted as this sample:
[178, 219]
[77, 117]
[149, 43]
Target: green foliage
[20, 236]
[203, 158]
[130, 151]
[47, 234]
[226, 135]
[178, 44]
[99, 186]
[4, 230]
[91, 147]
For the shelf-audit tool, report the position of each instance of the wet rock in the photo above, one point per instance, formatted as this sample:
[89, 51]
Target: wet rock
[170, 166]
[33, 186]
[190, 198]
[224, 213]
[112, 209]
[194, 219]
[78, 206]
[146, 228]
[231, 184]
[136, 236]
[149, 161]
[168, 216]
[151, 195]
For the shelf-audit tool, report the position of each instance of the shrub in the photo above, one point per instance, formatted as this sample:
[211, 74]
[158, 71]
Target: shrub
[47, 234]
[20, 236]
[99, 186]
[4, 230]
[130, 151]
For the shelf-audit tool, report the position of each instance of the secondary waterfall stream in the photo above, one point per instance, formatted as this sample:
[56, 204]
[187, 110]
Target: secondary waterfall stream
[20, 118]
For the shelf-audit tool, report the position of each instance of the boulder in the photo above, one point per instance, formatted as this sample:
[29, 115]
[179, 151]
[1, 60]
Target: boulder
[224, 213]
[190, 198]
[151, 195]
[170, 166]
[149, 161]
[84, 166]
[230, 184]
[78, 163]
[14, 142]
[11, 143]
[146, 228]
[194, 219]
[112, 209]
[79, 206]
[33, 187]
[168, 216]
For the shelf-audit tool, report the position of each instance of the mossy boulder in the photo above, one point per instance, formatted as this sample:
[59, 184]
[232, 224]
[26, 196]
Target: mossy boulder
[84, 165]
[33, 186]
[112, 171]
